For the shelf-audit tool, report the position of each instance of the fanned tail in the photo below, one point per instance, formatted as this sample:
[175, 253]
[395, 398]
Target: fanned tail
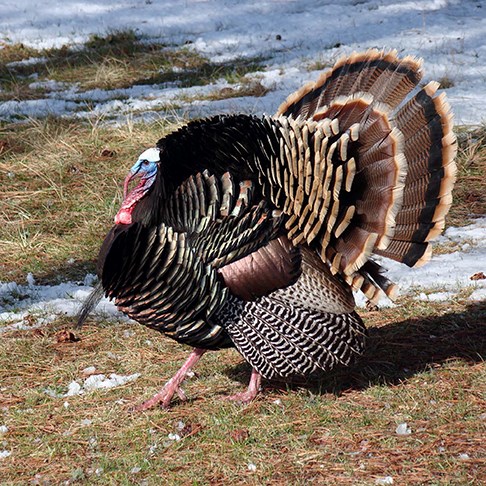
[384, 182]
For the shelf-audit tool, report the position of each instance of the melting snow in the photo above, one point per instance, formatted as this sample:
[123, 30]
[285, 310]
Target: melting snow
[385, 480]
[101, 381]
[448, 34]
[92, 383]
[290, 36]
[445, 275]
[403, 429]
[27, 306]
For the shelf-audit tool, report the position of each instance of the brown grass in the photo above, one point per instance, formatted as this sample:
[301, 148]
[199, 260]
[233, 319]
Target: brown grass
[470, 189]
[62, 184]
[423, 366]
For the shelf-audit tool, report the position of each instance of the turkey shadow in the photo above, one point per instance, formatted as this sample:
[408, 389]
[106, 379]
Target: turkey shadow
[396, 352]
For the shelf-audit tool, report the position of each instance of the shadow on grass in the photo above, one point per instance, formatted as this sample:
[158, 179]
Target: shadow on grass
[398, 351]
[136, 62]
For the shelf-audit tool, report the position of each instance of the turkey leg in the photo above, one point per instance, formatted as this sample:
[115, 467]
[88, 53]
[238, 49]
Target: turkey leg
[164, 396]
[252, 390]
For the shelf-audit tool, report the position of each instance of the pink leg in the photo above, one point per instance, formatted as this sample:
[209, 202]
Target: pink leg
[164, 396]
[252, 390]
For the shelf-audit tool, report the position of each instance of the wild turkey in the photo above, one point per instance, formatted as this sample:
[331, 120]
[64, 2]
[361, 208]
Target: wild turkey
[252, 231]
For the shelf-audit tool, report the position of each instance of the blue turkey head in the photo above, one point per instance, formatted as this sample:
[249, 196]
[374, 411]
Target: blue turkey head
[144, 168]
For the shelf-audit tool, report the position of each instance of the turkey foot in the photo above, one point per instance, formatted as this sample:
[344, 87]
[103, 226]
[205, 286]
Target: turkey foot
[164, 396]
[251, 392]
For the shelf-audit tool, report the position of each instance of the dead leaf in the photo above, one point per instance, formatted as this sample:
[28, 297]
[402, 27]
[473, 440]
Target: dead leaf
[478, 276]
[66, 336]
[239, 435]
[106, 152]
[38, 333]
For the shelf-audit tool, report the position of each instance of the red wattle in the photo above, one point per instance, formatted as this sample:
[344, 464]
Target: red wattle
[123, 217]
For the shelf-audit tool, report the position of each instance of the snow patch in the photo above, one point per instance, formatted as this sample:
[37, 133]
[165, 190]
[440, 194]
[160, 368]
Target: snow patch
[92, 383]
[26, 307]
[385, 480]
[446, 275]
[403, 429]
[449, 35]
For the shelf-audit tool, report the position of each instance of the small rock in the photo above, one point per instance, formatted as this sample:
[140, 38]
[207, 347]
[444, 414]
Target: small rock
[464, 457]
[3, 430]
[251, 467]
[4, 454]
[88, 371]
[135, 470]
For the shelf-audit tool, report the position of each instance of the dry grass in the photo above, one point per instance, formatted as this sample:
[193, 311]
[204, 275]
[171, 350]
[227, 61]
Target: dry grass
[62, 185]
[118, 60]
[424, 366]
[470, 189]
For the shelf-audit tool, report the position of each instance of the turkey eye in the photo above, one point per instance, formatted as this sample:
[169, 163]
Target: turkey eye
[145, 162]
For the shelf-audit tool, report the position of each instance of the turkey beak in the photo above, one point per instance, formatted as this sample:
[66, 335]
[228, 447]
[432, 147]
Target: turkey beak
[129, 178]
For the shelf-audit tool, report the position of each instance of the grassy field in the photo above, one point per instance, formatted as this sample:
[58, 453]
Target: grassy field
[424, 366]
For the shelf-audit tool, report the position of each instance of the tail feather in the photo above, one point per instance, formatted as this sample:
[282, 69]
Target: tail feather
[382, 74]
[394, 200]
[429, 148]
